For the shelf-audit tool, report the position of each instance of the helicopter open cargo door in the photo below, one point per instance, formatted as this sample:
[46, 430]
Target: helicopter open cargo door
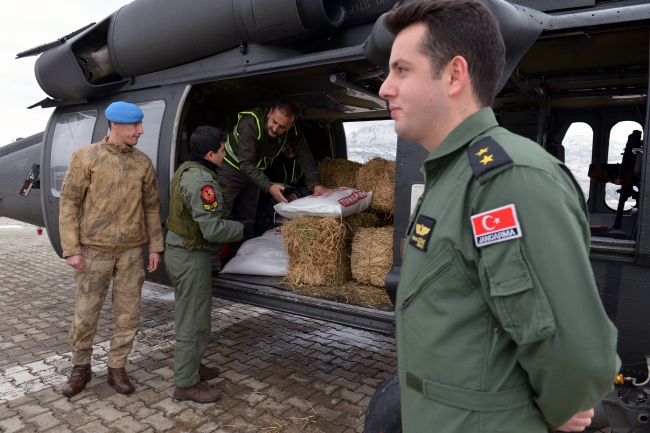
[73, 127]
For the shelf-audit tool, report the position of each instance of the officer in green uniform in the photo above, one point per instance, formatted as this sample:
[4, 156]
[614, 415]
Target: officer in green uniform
[197, 226]
[499, 324]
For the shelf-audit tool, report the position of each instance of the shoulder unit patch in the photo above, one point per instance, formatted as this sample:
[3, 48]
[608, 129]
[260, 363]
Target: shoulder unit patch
[207, 193]
[486, 154]
[496, 225]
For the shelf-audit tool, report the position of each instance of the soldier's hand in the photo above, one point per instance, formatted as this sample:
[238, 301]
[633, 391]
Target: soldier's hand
[276, 193]
[579, 421]
[320, 189]
[292, 197]
[76, 261]
[154, 261]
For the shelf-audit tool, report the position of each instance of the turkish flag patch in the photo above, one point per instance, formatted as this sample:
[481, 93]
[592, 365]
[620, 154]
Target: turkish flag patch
[496, 225]
[207, 192]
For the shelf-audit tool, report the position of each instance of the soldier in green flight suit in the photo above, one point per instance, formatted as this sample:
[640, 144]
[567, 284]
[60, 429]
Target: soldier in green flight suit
[197, 226]
[499, 323]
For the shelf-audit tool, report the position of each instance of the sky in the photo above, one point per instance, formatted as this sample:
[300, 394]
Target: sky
[26, 24]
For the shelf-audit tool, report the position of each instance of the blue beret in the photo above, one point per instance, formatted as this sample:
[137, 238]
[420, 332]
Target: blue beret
[124, 112]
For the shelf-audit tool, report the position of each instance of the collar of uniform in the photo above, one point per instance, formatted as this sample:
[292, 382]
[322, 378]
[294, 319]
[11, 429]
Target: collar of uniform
[462, 135]
[114, 147]
[209, 164]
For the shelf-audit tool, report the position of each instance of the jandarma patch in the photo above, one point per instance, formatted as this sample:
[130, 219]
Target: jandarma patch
[496, 225]
[207, 193]
[422, 232]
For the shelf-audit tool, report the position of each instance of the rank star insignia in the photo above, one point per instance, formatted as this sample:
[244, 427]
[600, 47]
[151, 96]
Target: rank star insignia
[485, 155]
[487, 159]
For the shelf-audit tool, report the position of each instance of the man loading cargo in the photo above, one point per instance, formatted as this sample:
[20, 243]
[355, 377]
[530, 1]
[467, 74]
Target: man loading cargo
[260, 136]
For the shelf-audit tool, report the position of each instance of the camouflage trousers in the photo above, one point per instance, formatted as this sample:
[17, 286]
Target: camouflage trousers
[126, 271]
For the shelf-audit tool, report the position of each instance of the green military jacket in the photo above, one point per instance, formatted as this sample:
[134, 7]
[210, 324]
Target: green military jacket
[500, 327]
[202, 196]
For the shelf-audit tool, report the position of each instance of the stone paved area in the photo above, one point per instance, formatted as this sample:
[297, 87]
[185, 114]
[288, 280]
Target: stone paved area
[280, 373]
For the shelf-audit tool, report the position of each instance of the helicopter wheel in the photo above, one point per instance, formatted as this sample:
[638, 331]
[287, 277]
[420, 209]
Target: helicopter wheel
[384, 414]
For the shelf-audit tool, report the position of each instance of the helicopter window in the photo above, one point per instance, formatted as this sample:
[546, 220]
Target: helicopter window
[370, 138]
[618, 136]
[151, 123]
[72, 131]
[578, 143]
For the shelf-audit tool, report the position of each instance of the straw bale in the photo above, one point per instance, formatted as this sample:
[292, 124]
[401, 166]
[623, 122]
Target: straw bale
[378, 176]
[361, 220]
[336, 173]
[350, 292]
[372, 255]
[318, 251]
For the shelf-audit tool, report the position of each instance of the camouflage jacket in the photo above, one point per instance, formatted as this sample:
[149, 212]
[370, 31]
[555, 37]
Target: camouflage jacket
[110, 200]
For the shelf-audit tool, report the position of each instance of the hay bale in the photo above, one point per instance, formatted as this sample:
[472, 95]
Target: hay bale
[361, 220]
[378, 176]
[317, 249]
[336, 173]
[372, 255]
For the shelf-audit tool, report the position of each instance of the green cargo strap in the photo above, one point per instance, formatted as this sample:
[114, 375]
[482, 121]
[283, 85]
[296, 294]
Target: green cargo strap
[478, 401]
[262, 162]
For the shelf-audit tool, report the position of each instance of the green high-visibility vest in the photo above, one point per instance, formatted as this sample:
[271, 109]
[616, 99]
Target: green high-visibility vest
[232, 142]
[180, 219]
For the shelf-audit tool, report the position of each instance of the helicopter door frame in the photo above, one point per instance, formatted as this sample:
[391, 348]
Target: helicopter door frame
[642, 252]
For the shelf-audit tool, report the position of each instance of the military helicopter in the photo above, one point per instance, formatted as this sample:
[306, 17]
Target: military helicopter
[569, 63]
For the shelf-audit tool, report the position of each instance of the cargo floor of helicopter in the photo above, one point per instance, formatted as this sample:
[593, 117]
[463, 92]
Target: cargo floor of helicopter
[310, 301]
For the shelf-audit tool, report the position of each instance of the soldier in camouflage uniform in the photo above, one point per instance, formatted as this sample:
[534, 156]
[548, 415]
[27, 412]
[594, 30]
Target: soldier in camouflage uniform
[109, 209]
[197, 226]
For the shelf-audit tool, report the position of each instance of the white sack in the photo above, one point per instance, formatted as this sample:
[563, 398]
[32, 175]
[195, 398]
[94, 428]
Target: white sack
[341, 202]
[260, 256]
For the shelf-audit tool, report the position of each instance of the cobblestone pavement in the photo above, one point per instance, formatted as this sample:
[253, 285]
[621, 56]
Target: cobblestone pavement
[280, 373]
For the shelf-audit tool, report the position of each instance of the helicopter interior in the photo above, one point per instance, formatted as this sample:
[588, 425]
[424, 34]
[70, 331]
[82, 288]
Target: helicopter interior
[580, 95]
[565, 81]
[326, 95]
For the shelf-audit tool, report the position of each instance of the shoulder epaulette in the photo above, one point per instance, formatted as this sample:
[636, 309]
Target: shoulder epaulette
[485, 155]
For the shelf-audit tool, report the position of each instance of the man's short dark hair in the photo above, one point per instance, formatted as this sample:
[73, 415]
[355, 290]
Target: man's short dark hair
[287, 108]
[464, 28]
[207, 138]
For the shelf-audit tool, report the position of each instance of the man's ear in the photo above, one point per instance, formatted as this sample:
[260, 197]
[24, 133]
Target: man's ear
[457, 75]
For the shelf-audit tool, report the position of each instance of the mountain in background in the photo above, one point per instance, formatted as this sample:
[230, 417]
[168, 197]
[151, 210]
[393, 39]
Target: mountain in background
[370, 141]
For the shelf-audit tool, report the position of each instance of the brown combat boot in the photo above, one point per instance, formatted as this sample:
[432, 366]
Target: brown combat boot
[199, 393]
[79, 377]
[117, 379]
[207, 373]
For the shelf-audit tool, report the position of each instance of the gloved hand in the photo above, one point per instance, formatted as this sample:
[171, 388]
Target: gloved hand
[248, 229]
